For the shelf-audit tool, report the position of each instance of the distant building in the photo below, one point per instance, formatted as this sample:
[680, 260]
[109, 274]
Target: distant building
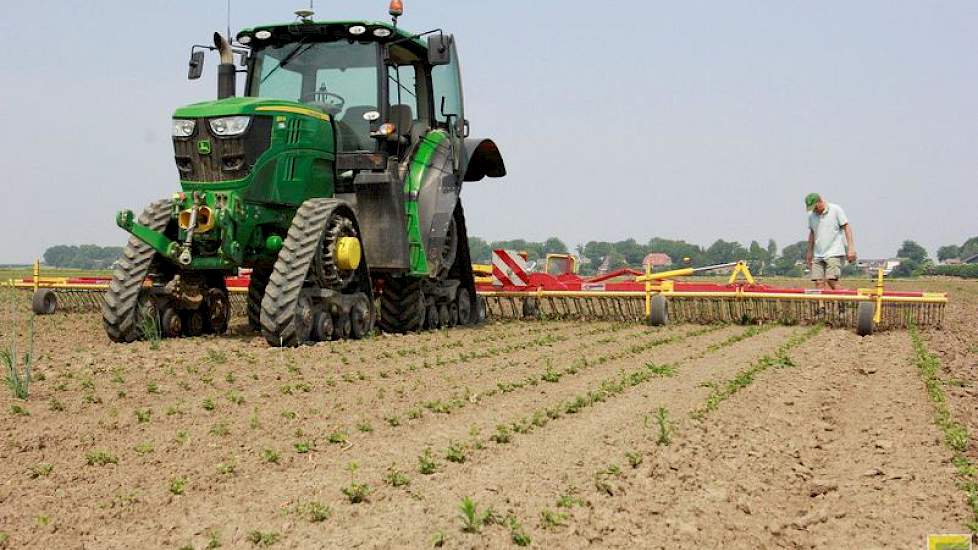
[657, 259]
[872, 266]
[973, 259]
[952, 261]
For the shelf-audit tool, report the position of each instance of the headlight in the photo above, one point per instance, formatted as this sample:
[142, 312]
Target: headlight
[230, 125]
[183, 128]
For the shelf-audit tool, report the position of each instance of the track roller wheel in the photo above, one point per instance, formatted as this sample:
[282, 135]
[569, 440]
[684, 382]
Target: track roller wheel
[453, 314]
[171, 324]
[193, 323]
[483, 309]
[44, 301]
[218, 311]
[443, 316]
[865, 322]
[322, 326]
[463, 303]
[432, 320]
[659, 315]
[361, 321]
[342, 326]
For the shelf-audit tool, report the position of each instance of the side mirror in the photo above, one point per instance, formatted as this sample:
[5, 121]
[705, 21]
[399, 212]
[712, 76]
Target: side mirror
[196, 65]
[440, 49]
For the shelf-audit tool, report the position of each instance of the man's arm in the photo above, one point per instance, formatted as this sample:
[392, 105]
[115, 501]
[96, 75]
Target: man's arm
[809, 255]
[850, 244]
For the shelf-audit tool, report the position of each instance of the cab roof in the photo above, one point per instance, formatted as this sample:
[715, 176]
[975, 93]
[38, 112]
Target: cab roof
[281, 33]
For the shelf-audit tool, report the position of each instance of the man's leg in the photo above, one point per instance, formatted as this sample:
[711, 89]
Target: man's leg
[818, 272]
[833, 271]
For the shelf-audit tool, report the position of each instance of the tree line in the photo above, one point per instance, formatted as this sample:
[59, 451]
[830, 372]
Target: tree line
[85, 256]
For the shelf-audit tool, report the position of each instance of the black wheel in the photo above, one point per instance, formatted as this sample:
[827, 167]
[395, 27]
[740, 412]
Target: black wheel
[453, 314]
[218, 309]
[120, 315]
[44, 302]
[256, 291]
[431, 317]
[341, 326]
[322, 326]
[193, 323]
[402, 305]
[531, 309]
[865, 323]
[171, 324]
[361, 320]
[659, 314]
[464, 304]
[483, 309]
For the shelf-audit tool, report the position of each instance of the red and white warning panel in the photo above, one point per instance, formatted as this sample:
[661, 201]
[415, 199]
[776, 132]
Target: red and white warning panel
[509, 268]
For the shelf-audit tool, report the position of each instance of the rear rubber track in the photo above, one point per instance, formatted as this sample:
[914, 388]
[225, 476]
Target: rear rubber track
[121, 300]
[256, 291]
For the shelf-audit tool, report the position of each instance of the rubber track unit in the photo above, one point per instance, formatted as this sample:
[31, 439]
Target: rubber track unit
[402, 305]
[278, 307]
[119, 311]
[256, 291]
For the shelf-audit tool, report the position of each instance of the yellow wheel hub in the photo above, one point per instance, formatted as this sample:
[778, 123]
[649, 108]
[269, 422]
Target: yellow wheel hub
[348, 253]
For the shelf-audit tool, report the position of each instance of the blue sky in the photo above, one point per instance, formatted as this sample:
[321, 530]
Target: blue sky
[692, 120]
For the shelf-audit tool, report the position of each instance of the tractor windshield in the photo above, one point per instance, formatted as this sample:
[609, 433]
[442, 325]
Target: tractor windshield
[340, 78]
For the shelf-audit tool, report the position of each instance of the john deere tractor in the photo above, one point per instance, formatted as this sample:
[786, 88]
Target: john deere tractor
[335, 178]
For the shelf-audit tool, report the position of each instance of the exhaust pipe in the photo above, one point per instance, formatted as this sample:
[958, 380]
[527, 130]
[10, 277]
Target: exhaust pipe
[226, 71]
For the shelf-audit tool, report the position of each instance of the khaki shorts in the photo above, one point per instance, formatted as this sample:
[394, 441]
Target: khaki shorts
[827, 268]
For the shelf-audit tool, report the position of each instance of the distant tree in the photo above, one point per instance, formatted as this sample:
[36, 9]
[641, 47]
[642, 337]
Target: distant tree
[912, 251]
[790, 256]
[722, 251]
[553, 245]
[757, 257]
[772, 249]
[969, 248]
[913, 260]
[479, 250]
[948, 252]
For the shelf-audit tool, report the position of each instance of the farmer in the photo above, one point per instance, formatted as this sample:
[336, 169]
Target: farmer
[827, 250]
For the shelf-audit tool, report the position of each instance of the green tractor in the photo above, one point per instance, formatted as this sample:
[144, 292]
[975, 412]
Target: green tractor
[335, 178]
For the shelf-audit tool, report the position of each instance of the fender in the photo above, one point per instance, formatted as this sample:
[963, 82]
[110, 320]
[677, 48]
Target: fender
[480, 158]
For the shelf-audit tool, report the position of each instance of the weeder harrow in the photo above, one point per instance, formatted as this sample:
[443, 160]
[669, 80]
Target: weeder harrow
[513, 291]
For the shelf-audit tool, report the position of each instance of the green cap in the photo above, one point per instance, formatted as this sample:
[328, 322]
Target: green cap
[810, 200]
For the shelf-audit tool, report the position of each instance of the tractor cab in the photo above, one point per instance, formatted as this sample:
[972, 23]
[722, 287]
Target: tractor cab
[383, 88]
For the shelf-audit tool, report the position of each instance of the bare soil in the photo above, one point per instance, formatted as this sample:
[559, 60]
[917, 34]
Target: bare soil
[226, 441]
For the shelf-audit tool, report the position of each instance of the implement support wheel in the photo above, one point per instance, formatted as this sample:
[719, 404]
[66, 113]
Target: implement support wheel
[659, 315]
[864, 318]
[44, 302]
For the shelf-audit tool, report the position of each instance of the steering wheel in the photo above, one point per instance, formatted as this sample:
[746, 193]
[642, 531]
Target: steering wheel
[321, 99]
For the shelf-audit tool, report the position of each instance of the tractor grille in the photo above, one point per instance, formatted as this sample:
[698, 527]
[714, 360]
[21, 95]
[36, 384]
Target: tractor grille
[226, 159]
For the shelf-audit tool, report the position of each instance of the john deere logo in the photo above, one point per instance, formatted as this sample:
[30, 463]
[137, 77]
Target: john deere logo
[204, 147]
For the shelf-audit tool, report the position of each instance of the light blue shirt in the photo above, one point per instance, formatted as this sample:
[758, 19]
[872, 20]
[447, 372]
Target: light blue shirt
[829, 229]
